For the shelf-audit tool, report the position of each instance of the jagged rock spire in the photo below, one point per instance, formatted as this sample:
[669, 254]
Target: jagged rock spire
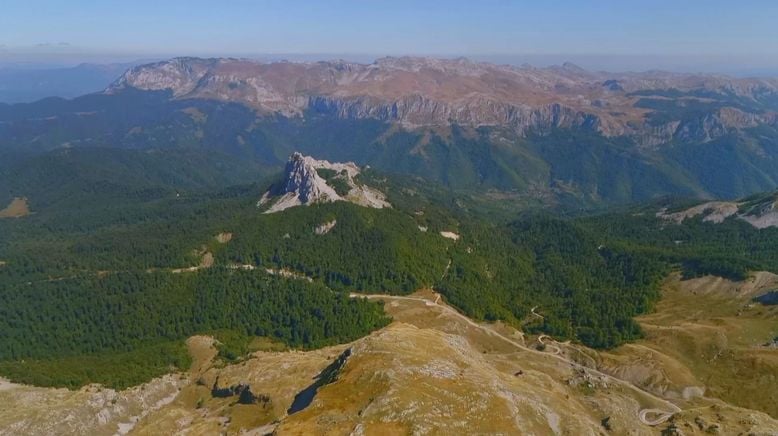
[302, 185]
[302, 179]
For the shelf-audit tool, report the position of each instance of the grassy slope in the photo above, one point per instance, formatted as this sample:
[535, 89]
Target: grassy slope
[707, 333]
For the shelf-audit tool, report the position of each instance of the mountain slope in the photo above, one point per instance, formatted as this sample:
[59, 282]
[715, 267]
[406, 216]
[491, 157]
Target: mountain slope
[85, 176]
[430, 370]
[422, 91]
[561, 136]
[104, 287]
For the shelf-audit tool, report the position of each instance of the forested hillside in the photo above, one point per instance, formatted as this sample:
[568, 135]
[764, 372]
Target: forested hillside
[123, 312]
[127, 257]
[563, 167]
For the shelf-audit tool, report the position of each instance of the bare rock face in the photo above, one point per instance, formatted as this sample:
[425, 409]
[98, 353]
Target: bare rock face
[303, 180]
[760, 213]
[303, 185]
[179, 75]
[433, 92]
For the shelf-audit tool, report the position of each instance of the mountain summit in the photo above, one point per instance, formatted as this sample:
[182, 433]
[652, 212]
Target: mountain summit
[307, 181]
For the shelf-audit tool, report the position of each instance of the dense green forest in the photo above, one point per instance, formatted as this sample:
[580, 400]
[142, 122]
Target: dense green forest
[88, 279]
[123, 312]
[117, 370]
[368, 249]
[120, 311]
[581, 290]
[729, 249]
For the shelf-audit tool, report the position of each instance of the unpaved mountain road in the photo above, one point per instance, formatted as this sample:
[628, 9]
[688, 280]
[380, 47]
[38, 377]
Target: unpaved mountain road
[554, 349]
[662, 415]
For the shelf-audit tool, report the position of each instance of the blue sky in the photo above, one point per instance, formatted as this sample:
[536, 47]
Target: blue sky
[679, 28]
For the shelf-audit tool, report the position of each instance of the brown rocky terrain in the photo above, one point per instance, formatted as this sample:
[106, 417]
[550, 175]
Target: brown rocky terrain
[437, 92]
[706, 339]
[433, 371]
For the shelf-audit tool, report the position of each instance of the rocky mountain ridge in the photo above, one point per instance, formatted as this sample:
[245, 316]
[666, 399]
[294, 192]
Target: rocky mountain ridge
[303, 185]
[439, 92]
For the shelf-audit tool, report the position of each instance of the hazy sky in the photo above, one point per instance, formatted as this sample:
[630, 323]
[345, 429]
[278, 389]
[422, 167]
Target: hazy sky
[703, 29]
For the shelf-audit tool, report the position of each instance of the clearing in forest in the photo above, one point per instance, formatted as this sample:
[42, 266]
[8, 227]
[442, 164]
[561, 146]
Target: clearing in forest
[17, 209]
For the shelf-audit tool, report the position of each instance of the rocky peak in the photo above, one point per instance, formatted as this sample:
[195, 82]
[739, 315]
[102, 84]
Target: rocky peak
[179, 75]
[304, 185]
[303, 180]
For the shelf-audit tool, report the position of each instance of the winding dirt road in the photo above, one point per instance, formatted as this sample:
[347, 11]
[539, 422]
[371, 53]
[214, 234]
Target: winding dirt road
[661, 416]
[643, 415]
[556, 350]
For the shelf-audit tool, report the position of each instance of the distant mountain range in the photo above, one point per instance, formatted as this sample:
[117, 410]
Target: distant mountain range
[561, 135]
[433, 92]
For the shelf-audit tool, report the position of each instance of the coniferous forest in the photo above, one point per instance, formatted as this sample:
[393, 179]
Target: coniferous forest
[89, 291]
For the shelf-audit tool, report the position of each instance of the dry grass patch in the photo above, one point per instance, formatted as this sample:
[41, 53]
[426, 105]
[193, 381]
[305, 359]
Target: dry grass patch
[223, 237]
[16, 209]
[706, 335]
